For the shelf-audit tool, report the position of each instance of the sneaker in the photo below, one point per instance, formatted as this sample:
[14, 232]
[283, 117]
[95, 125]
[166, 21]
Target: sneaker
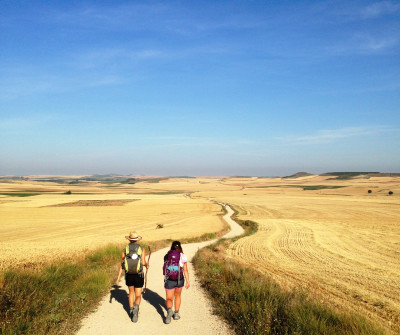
[169, 316]
[135, 314]
[176, 315]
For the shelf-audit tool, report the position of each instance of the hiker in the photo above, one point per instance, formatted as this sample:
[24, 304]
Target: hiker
[175, 273]
[133, 260]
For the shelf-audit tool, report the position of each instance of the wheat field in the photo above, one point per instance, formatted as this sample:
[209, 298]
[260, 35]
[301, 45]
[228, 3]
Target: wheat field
[36, 229]
[340, 244]
[327, 236]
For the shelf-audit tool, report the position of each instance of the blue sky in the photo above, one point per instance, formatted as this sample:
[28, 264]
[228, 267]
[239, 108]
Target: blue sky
[199, 87]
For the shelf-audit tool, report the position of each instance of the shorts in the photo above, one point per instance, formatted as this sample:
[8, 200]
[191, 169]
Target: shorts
[133, 279]
[173, 284]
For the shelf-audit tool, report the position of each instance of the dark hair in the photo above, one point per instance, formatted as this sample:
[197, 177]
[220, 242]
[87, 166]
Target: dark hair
[176, 245]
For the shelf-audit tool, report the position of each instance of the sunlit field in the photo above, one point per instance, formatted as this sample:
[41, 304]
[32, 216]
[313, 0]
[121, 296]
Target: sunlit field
[338, 239]
[39, 222]
[340, 244]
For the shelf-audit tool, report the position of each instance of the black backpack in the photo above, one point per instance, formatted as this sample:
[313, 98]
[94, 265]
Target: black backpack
[133, 259]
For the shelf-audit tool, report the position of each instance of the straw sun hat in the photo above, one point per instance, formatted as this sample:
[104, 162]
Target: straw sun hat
[133, 236]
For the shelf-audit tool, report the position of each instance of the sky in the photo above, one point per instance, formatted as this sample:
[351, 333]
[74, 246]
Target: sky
[199, 88]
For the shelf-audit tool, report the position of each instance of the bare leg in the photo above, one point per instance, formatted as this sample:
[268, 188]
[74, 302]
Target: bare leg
[178, 292]
[170, 298]
[138, 294]
[135, 295]
[131, 295]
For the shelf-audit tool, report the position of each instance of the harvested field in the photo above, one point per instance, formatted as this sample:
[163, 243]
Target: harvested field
[37, 229]
[94, 203]
[340, 244]
[330, 237]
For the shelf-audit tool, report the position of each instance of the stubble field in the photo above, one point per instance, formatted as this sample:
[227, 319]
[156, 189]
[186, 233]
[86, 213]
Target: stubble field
[327, 236]
[35, 229]
[342, 245]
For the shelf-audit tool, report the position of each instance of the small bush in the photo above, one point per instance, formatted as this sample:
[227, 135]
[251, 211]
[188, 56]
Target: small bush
[369, 191]
[390, 193]
[68, 192]
[159, 226]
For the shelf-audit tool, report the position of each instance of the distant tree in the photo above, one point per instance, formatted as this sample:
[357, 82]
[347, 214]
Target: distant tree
[68, 192]
[369, 191]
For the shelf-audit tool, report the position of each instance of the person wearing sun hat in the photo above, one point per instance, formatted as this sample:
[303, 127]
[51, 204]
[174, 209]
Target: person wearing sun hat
[133, 237]
[133, 253]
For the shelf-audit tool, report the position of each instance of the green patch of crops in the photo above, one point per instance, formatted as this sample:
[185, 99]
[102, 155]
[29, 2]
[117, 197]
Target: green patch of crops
[19, 194]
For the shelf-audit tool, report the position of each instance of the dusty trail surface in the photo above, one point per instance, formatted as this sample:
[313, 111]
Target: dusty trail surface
[196, 314]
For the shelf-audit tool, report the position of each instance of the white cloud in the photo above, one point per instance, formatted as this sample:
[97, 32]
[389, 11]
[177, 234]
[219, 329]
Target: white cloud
[113, 56]
[378, 9]
[377, 45]
[369, 43]
[231, 144]
[126, 16]
[333, 135]
[365, 43]
[25, 123]
[355, 11]
[29, 81]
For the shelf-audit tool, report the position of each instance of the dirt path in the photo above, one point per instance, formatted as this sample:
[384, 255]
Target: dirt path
[196, 314]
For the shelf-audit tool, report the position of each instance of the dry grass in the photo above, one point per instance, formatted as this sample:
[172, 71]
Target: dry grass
[340, 244]
[37, 229]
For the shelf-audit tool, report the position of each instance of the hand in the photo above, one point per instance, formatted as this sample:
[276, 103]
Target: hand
[117, 282]
[147, 266]
[187, 284]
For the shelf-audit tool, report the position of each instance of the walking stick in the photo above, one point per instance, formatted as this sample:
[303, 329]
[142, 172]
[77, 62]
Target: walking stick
[145, 276]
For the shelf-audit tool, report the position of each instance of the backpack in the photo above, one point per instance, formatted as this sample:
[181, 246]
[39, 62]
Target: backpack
[133, 259]
[171, 268]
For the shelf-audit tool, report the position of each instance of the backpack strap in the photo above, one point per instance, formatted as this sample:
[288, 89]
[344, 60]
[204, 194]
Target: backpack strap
[133, 248]
[139, 265]
[126, 252]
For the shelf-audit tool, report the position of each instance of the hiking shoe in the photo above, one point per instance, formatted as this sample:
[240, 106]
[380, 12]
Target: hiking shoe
[169, 316]
[176, 315]
[135, 314]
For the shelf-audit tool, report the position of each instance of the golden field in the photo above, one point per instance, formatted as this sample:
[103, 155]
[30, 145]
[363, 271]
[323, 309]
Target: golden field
[327, 236]
[341, 245]
[36, 229]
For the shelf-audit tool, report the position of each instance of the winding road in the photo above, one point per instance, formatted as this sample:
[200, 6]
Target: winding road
[112, 317]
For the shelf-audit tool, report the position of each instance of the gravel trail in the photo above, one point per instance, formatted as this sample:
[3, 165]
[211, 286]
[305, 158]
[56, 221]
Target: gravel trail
[112, 317]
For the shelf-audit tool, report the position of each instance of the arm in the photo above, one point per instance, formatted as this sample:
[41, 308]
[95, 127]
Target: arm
[120, 269]
[144, 259]
[186, 274]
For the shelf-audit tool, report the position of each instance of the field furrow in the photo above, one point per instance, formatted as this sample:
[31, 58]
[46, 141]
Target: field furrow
[330, 238]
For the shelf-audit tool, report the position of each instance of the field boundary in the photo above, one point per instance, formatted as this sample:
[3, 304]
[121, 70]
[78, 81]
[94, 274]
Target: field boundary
[252, 303]
[54, 298]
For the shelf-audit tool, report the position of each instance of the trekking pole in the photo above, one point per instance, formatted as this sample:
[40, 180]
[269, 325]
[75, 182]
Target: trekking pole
[145, 276]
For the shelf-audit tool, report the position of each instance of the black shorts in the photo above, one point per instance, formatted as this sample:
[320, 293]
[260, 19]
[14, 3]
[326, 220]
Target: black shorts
[173, 284]
[133, 279]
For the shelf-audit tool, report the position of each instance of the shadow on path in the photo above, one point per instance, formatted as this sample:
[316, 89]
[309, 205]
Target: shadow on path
[156, 301]
[121, 296]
